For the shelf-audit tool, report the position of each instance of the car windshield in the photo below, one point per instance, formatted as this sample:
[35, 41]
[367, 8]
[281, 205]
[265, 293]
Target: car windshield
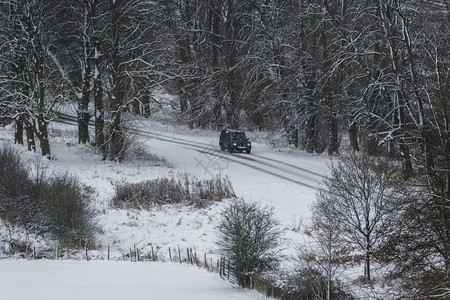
[238, 136]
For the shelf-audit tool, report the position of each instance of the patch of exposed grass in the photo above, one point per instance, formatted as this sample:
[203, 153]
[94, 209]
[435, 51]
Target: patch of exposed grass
[146, 194]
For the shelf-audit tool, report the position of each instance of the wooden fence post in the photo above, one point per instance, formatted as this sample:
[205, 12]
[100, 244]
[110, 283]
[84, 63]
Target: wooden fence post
[108, 252]
[170, 255]
[179, 254]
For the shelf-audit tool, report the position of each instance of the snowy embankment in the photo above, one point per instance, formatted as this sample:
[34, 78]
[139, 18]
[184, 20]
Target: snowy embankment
[95, 280]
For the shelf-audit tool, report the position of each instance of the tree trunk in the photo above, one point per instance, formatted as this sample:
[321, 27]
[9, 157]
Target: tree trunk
[333, 146]
[295, 137]
[292, 135]
[147, 108]
[83, 106]
[329, 289]
[29, 129]
[404, 148]
[367, 259]
[116, 135]
[83, 114]
[371, 143]
[83, 126]
[18, 135]
[447, 161]
[215, 17]
[41, 118]
[99, 118]
[116, 139]
[353, 136]
[311, 139]
[136, 107]
[42, 134]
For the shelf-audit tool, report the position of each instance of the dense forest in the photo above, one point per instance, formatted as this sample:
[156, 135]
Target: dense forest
[331, 75]
[374, 73]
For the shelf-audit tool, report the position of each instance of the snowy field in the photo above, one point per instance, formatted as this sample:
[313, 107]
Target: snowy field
[283, 178]
[97, 280]
[255, 177]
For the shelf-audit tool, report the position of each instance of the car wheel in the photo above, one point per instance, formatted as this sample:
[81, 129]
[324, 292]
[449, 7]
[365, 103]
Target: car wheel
[230, 149]
[248, 151]
[222, 148]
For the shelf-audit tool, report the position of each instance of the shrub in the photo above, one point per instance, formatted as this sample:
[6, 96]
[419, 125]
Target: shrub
[18, 203]
[45, 205]
[66, 209]
[248, 235]
[144, 195]
[310, 283]
[14, 178]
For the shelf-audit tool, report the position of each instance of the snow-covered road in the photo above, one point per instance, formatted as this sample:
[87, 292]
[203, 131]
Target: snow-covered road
[275, 167]
[286, 180]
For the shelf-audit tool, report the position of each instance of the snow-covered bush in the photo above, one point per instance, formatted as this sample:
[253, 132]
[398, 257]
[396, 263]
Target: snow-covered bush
[248, 237]
[55, 205]
[14, 178]
[65, 204]
[307, 282]
[144, 195]
[18, 203]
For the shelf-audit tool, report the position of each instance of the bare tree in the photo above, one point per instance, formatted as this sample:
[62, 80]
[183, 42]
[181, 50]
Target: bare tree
[328, 253]
[356, 200]
[32, 89]
[129, 48]
[248, 236]
[417, 241]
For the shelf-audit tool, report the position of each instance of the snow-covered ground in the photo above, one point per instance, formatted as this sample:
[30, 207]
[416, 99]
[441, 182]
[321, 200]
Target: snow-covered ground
[96, 280]
[261, 176]
[265, 175]
[283, 178]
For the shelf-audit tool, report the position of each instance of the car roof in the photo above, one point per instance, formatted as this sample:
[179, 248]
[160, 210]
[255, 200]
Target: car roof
[233, 130]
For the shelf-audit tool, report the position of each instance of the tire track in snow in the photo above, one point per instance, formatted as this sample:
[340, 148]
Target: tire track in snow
[259, 163]
[320, 176]
[240, 160]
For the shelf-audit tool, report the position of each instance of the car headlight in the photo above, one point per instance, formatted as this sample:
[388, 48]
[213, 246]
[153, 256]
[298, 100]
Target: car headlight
[249, 144]
[233, 144]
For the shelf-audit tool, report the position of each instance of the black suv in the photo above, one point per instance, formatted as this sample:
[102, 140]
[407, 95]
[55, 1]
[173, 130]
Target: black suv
[234, 140]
